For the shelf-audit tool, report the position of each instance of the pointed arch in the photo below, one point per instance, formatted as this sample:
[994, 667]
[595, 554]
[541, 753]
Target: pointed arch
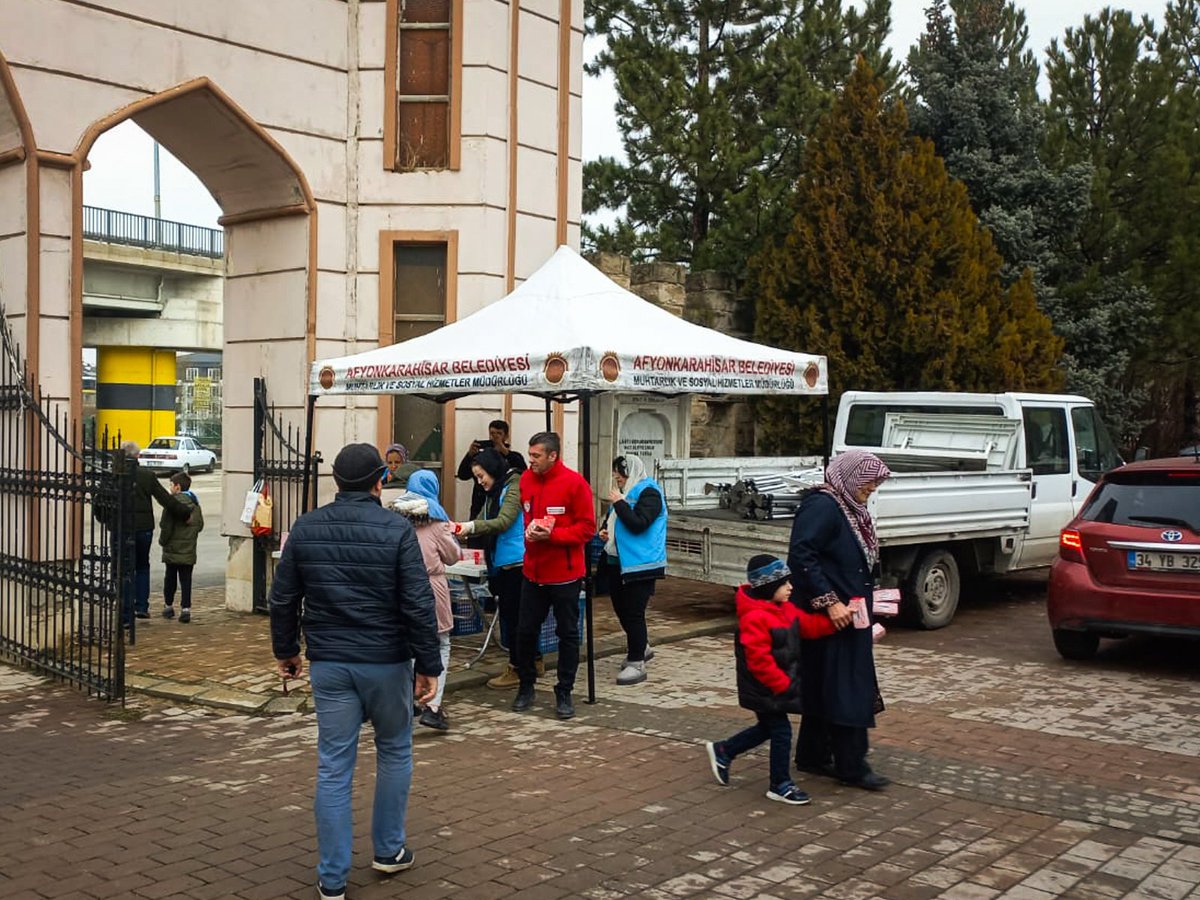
[250, 175]
[18, 145]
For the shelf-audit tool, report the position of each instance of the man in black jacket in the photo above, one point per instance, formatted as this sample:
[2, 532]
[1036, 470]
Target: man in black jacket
[367, 613]
[146, 488]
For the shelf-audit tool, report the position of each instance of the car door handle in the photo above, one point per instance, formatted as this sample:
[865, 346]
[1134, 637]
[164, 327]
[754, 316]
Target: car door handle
[1033, 493]
[1074, 488]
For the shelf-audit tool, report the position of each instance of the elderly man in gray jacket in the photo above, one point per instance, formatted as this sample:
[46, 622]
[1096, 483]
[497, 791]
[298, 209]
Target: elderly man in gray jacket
[367, 615]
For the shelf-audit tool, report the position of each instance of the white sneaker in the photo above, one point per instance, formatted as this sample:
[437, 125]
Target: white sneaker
[632, 673]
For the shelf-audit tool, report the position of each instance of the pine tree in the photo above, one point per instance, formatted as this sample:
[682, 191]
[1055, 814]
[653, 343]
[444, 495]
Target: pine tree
[886, 270]
[975, 94]
[716, 99]
[1125, 97]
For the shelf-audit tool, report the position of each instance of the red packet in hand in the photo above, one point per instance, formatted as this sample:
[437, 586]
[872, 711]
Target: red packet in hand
[546, 523]
[858, 612]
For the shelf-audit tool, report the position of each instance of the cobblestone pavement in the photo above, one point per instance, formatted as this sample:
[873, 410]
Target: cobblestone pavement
[223, 658]
[1017, 775]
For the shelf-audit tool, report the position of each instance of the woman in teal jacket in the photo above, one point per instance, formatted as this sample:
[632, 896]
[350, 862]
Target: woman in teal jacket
[501, 525]
[635, 542]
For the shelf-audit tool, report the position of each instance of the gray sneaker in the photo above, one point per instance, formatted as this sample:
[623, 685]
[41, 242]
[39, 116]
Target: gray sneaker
[632, 673]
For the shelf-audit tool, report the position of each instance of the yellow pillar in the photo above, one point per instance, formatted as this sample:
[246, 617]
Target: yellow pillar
[135, 393]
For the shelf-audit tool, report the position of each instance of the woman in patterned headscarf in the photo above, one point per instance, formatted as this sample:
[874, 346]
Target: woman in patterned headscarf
[399, 468]
[833, 556]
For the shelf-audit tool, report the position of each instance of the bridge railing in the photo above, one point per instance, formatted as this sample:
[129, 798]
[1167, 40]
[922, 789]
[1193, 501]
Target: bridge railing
[115, 227]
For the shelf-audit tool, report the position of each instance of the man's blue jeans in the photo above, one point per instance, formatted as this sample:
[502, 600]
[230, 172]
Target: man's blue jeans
[346, 695]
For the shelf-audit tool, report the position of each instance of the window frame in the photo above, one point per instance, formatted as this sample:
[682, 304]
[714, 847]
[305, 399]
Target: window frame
[387, 318]
[1060, 421]
[392, 93]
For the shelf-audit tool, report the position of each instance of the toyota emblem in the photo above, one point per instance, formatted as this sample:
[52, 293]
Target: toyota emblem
[1172, 536]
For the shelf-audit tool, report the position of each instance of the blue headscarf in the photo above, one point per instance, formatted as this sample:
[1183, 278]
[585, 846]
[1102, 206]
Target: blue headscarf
[425, 484]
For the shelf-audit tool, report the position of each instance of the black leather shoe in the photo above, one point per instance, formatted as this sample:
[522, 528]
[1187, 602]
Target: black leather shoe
[564, 708]
[524, 699]
[872, 781]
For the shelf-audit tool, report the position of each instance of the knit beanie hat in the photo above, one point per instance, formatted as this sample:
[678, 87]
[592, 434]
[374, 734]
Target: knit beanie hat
[764, 575]
[358, 467]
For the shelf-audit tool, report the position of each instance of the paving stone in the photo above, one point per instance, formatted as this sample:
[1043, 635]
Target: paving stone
[226, 698]
[996, 793]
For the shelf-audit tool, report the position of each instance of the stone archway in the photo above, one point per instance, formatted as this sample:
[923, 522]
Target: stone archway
[270, 221]
[19, 220]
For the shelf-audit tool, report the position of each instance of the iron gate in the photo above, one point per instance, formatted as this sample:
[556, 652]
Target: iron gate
[281, 462]
[65, 509]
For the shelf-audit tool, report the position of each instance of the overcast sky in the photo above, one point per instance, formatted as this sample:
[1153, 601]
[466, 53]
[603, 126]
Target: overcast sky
[121, 176]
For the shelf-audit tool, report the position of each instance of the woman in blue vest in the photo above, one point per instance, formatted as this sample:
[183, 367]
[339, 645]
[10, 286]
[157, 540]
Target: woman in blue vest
[502, 526]
[635, 542]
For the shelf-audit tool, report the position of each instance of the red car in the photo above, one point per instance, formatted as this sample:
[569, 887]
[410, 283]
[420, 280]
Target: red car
[1129, 563]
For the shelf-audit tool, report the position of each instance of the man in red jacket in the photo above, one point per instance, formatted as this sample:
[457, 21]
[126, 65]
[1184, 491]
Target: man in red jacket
[559, 521]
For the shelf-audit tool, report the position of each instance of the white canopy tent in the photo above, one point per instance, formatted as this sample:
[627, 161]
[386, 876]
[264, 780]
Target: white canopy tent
[569, 332]
[566, 332]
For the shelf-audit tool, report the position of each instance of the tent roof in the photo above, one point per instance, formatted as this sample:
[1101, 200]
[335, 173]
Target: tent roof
[567, 330]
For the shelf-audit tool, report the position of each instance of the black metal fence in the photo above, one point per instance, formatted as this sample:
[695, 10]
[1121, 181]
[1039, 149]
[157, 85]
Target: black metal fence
[280, 461]
[116, 227]
[65, 514]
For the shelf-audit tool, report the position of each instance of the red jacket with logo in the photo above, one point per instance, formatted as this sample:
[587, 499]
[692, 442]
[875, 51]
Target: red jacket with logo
[561, 493]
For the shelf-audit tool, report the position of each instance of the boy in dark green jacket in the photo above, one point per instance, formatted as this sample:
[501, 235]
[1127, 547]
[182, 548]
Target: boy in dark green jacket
[178, 540]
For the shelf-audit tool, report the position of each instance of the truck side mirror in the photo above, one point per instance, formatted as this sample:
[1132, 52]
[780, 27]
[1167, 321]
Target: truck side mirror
[1141, 453]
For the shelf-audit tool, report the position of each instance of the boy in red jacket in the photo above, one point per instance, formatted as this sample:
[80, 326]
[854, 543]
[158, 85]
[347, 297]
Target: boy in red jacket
[767, 647]
[559, 521]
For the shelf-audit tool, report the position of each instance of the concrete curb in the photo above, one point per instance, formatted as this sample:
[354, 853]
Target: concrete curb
[216, 696]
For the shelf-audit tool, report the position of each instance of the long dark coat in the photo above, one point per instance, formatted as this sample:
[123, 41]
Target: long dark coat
[838, 672]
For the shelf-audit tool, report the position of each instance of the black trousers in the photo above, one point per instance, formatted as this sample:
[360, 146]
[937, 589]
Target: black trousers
[629, 602]
[536, 601]
[820, 743]
[506, 586]
[182, 574]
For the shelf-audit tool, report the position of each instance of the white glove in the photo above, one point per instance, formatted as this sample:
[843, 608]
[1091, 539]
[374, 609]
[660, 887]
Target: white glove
[464, 528]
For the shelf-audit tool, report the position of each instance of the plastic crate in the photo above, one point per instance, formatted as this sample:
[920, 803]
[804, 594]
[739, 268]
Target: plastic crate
[467, 619]
[548, 637]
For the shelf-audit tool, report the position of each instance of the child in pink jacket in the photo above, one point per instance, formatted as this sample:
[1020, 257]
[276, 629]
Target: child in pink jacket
[419, 504]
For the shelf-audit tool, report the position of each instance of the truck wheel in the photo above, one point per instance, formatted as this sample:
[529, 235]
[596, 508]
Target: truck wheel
[933, 589]
[1075, 644]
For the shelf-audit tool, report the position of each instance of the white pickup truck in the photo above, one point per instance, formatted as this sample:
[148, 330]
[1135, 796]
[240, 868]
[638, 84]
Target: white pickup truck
[982, 484]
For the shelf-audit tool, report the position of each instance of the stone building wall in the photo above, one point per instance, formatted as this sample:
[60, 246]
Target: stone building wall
[721, 426]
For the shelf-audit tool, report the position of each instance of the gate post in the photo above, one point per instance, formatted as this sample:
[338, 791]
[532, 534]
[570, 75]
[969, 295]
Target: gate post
[259, 558]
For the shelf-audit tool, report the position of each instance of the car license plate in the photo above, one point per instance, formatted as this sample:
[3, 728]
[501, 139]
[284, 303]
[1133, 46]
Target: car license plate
[1169, 561]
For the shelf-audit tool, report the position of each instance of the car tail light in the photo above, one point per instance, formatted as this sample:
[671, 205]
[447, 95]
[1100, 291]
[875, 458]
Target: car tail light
[1070, 545]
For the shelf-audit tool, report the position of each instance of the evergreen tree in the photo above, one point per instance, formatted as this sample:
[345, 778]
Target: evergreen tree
[975, 86]
[715, 101]
[886, 270]
[1125, 97]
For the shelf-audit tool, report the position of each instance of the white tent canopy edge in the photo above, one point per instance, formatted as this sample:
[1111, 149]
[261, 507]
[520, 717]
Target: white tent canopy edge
[569, 330]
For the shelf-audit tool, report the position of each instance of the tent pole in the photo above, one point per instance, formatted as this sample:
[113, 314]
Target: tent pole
[826, 445]
[549, 422]
[308, 440]
[586, 412]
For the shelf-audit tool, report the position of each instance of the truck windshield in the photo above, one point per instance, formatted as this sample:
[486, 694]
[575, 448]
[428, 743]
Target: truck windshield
[864, 425]
[1095, 452]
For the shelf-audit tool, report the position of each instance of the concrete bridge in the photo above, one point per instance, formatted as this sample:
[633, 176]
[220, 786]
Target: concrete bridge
[150, 288]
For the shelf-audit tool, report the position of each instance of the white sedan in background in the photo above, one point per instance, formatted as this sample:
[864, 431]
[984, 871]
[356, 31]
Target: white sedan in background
[177, 454]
